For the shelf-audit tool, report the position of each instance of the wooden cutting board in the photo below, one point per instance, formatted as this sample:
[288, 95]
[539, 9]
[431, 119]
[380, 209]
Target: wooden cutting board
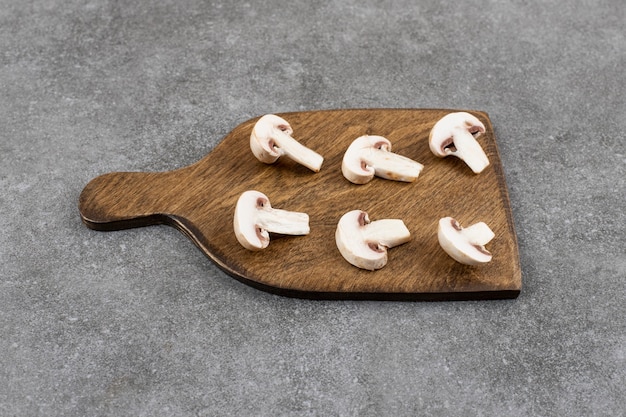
[199, 200]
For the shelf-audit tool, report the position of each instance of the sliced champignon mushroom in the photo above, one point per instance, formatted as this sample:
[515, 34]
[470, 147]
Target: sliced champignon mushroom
[271, 138]
[465, 245]
[369, 156]
[454, 134]
[363, 243]
[255, 219]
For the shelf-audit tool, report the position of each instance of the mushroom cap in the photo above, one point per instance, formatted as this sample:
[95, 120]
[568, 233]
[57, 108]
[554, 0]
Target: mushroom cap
[353, 167]
[462, 247]
[353, 245]
[263, 136]
[247, 229]
[443, 133]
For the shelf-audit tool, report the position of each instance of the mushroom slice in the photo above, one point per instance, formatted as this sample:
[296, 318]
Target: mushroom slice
[271, 138]
[363, 243]
[255, 219]
[454, 134]
[465, 245]
[371, 155]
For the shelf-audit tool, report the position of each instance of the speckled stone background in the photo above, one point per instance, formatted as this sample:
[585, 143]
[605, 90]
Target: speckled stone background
[140, 323]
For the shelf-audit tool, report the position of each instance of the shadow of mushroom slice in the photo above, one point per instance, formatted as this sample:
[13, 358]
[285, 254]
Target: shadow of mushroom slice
[455, 134]
[369, 156]
[363, 243]
[271, 138]
[255, 219]
[465, 245]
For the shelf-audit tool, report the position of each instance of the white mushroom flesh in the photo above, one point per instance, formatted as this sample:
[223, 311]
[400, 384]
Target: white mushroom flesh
[255, 219]
[364, 244]
[465, 245]
[271, 138]
[455, 134]
[369, 156]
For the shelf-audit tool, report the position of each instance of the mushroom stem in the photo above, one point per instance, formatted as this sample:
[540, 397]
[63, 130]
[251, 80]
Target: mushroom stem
[293, 149]
[386, 232]
[283, 222]
[392, 166]
[469, 150]
[478, 234]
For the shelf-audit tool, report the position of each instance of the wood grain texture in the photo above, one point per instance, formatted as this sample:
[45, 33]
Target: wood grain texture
[200, 200]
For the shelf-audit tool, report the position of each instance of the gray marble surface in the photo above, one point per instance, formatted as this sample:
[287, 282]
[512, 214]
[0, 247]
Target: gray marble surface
[140, 323]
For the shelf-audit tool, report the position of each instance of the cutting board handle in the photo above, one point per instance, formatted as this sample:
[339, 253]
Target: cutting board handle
[122, 200]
